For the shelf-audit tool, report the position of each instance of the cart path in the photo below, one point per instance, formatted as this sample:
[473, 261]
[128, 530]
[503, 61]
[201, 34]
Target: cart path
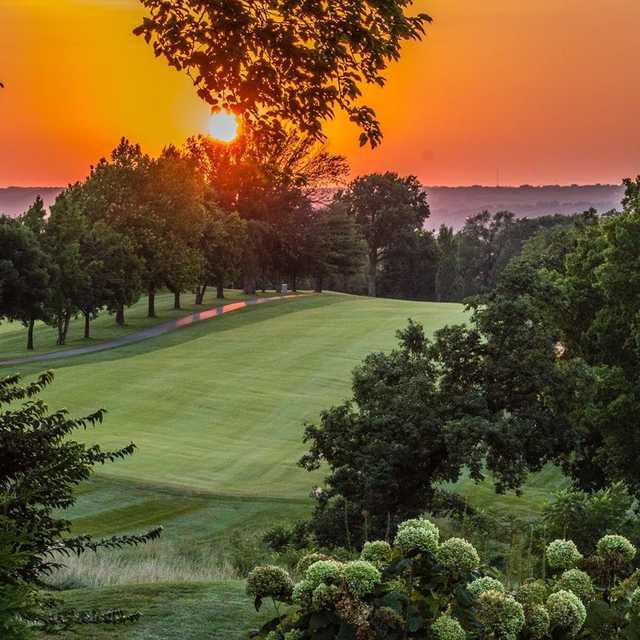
[150, 332]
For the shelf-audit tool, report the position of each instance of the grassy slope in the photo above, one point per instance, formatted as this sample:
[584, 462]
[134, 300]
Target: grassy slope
[217, 413]
[13, 335]
[220, 406]
[214, 611]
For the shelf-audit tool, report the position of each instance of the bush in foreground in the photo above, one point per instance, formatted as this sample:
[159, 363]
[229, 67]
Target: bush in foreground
[421, 588]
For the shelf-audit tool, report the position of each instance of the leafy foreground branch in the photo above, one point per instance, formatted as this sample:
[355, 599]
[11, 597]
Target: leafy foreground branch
[40, 467]
[423, 588]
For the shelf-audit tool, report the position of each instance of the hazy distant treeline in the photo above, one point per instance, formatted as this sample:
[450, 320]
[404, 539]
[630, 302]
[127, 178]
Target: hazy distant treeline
[449, 205]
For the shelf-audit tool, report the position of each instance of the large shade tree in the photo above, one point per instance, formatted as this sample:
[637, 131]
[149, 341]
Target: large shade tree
[385, 206]
[114, 195]
[277, 60]
[222, 242]
[271, 184]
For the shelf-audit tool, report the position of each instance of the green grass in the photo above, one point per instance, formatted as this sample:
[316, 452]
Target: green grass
[217, 412]
[535, 493]
[13, 335]
[210, 611]
[220, 406]
[107, 507]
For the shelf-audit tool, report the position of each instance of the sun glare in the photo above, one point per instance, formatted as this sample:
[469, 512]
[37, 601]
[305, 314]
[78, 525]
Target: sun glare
[223, 126]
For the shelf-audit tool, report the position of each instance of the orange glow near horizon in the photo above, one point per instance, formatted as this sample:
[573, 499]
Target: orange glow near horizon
[223, 126]
[541, 92]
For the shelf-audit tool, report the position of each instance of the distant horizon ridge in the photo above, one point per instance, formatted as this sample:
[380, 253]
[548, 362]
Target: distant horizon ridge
[450, 205]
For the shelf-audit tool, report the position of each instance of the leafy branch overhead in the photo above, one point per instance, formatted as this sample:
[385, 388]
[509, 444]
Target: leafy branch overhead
[281, 60]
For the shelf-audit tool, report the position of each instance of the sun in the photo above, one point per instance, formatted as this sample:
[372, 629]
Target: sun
[223, 126]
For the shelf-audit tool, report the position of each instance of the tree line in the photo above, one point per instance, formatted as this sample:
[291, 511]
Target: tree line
[248, 214]
[206, 214]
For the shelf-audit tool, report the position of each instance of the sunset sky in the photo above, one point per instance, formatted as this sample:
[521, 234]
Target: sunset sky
[543, 92]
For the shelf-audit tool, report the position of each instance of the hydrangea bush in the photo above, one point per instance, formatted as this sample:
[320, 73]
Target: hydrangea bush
[422, 588]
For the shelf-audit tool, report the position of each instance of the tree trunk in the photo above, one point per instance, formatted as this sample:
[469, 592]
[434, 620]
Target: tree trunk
[176, 300]
[32, 322]
[373, 273]
[120, 315]
[220, 291]
[249, 286]
[200, 293]
[60, 338]
[318, 287]
[63, 328]
[294, 283]
[152, 304]
[87, 326]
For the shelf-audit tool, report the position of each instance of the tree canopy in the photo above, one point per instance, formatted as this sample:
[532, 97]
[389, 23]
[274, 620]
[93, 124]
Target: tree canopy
[277, 60]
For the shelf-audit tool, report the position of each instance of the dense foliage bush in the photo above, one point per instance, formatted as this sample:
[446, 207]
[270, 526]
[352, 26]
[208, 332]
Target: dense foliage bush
[40, 468]
[422, 588]
[586, 517]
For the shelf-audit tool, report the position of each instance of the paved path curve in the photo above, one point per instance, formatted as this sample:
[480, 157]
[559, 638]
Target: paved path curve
[144, 334]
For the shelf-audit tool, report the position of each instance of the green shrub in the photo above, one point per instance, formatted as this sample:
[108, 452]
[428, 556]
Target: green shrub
[247, 552]
[426, 591]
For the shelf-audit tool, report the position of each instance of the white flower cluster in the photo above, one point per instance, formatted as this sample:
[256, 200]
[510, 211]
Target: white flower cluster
[458, 556]
[616, 548]
[500, 614]
[480, 585]
[377, 552]
[327, 571]
[417, 534]
[566, 612]
[537, 621]
[562, 554]
[361, 577]
[577, 582]
[448, 628]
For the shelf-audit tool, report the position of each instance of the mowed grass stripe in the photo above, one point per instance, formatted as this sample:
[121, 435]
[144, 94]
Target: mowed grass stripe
[220, 406]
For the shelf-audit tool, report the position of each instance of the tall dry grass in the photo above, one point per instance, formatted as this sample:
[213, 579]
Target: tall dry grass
[156, 562]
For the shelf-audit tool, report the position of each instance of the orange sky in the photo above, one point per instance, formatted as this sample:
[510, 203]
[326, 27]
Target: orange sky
[546, 92]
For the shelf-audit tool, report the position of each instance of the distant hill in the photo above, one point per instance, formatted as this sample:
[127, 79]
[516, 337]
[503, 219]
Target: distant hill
[452, 205]
[16, 200]
[449, 205]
